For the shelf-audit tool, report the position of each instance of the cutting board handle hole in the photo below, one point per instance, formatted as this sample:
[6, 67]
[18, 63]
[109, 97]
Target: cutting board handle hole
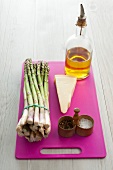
[61, 151]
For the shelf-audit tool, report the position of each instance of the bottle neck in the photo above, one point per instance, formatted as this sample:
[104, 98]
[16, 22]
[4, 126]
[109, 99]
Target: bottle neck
[80, 31]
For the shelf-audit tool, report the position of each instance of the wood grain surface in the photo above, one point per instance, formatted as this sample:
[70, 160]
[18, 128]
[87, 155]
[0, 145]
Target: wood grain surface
[39, 29]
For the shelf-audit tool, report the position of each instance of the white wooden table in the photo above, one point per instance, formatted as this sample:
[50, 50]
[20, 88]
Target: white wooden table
[39, 29]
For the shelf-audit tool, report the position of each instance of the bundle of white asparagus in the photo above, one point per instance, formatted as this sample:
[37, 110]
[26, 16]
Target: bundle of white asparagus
[34, 123]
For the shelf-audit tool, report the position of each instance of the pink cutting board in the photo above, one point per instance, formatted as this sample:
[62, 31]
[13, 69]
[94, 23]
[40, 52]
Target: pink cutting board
[85, 98]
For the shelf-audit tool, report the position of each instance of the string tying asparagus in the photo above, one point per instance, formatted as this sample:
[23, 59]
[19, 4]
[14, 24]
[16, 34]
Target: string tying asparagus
[34, 123]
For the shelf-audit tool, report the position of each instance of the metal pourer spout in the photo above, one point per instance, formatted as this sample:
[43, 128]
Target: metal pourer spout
[81, 19]
[82, 13]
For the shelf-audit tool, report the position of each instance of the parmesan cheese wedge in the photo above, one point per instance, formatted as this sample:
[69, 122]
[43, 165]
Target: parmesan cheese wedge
[65, 86]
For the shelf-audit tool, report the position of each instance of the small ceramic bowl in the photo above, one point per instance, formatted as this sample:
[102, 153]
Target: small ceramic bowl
[84, 125]
[66, 126]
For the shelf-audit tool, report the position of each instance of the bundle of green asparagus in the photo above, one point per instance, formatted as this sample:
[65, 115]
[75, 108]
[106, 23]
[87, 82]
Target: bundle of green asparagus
[35, 121]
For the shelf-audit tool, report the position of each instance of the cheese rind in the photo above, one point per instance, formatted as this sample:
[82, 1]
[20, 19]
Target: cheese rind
[65, 86]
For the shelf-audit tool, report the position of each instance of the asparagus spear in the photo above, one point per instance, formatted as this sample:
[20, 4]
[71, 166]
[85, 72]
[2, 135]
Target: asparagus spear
[46, 90]
[34, 67]
[47, 131]
[42, 72]
[46, 93]
[19, 129]
[25, 112]
[23, 119]
[32, 137]
[29, 96]
[40, 83]
[26, 130]
[38, 136]
[34, 128]
[27, 137]
[34, 94]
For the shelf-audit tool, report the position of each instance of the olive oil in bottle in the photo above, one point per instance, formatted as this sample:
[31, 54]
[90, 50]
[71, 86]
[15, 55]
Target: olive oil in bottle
[77, 63]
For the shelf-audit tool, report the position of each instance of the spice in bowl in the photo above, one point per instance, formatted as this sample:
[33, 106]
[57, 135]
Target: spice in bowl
[66, 126]
[85, 123]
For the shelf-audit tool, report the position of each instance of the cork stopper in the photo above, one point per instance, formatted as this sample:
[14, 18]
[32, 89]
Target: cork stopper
[81, 19]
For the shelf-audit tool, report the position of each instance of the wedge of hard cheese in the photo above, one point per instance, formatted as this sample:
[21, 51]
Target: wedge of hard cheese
[65, 86]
